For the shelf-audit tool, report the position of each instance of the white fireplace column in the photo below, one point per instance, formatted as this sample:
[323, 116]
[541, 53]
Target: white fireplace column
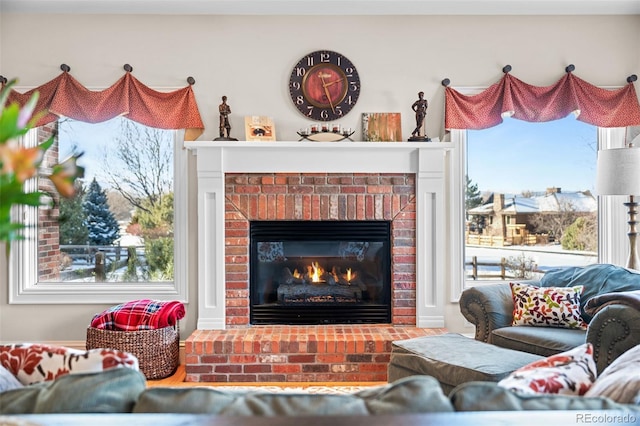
[429, 161]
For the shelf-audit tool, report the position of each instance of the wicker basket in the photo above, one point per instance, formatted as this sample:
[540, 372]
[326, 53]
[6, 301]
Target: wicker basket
[158, 351]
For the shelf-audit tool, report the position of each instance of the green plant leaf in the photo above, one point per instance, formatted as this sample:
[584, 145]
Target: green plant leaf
[9, 123]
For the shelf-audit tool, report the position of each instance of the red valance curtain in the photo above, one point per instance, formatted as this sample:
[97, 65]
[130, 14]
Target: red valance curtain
[64, 96]
[513, 97]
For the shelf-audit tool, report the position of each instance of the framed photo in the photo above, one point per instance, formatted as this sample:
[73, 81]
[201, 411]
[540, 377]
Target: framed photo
[381, 127]
[259, 128]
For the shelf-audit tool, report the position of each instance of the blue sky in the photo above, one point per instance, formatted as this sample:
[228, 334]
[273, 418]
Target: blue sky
[517, 155]
[94, 141]
[91, 140]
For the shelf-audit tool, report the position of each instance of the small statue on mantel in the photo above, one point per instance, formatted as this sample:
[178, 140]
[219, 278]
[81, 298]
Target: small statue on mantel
[225, 126]
[420, 108]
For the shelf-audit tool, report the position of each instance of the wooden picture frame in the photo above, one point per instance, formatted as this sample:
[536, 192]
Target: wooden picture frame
[259, 128]
[381, 127]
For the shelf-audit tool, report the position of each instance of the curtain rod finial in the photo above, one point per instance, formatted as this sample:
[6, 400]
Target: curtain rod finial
[446, 82]
[506, 69]
[65, 67]
[191, 80]
[570, 68]
[632, 78]
[128, 68]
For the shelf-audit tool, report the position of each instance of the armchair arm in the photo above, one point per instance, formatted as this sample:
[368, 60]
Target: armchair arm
[614, 329]
[488, 307]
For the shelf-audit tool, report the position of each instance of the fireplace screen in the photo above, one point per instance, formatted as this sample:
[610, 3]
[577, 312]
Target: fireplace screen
[320, 272]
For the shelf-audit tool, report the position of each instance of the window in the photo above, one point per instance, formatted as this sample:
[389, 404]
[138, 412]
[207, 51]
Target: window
[529, 203]
[124, 234]
[613, 245]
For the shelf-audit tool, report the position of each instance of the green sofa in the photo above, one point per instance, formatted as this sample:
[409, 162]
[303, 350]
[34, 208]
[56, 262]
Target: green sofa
[123, 390]
[609, 303]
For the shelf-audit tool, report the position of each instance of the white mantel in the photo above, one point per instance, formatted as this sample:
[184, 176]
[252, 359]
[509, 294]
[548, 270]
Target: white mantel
[430, 161]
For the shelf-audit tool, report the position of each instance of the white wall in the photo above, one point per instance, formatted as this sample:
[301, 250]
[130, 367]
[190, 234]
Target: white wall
[249, 59]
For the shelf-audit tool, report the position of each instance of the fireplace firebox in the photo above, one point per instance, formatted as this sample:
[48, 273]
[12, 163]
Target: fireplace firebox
[320, 272]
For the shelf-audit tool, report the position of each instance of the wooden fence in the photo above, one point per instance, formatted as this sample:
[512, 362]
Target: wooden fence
[499, 241]
[99, 259]
[502, 272]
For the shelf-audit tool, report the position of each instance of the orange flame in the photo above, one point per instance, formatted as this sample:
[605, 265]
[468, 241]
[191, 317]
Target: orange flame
[317, 271]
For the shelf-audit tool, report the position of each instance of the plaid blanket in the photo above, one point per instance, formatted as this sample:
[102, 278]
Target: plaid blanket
[139, 315]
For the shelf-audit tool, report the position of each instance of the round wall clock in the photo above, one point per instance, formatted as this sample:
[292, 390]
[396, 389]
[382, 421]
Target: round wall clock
[324, 85]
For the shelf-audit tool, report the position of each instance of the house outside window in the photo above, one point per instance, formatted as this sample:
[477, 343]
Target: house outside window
[613, 245]
[534, 184]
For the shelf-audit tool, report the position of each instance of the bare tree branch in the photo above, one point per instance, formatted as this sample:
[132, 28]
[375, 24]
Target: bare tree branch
[140, 167]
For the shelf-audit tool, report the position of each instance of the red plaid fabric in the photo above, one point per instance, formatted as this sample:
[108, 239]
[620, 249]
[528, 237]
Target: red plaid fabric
[139, 315]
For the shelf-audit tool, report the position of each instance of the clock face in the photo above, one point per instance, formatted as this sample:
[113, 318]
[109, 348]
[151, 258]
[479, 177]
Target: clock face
[324, 85]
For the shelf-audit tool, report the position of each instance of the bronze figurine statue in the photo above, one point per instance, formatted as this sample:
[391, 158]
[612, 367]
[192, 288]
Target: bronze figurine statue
[420, 108]
[225, 126]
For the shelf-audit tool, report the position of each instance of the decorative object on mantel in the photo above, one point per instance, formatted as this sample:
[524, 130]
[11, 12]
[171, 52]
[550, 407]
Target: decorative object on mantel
[325, 132]
[225, 126]
[324, 85]
[420, 108]
[381, 127]
[259, 128]
[618, 173]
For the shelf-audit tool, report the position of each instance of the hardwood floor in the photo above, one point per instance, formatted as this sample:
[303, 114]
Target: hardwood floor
[177, 379]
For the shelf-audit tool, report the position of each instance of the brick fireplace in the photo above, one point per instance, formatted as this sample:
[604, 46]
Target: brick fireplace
[245, 181]
[317, 197]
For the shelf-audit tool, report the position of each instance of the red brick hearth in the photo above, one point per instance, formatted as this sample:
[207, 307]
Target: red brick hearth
[244, 353]
[338, 353]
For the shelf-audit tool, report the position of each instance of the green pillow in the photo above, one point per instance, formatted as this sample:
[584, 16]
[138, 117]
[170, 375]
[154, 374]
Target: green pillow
[111, 391]
[485, 396]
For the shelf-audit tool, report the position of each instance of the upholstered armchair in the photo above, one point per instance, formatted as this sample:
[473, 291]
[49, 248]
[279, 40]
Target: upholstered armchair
[609, 304]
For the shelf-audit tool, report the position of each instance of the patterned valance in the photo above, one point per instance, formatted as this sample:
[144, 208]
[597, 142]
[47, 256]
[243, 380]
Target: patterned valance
[513, 97]
[64, 96]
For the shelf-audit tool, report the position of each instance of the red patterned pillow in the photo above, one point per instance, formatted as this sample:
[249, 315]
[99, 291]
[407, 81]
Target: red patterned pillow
[568, 373]
[547, 306]
[33, 363]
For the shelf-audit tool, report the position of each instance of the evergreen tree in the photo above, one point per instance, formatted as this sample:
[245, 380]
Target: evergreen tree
[73, 220]
[473, 197]
[102, 224]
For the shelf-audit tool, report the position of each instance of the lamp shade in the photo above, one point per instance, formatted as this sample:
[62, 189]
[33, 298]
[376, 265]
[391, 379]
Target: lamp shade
[618, 172]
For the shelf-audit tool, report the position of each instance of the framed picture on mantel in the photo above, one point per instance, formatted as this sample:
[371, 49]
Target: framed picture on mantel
[259, 128]
[381, 127]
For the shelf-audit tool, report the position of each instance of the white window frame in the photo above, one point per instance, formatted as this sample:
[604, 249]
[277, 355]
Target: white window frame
[24, 287]
[613, 246]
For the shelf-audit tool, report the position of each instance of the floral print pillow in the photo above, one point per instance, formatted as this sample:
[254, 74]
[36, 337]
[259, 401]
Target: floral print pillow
[33, 363]
[568, 373]
[547, 306]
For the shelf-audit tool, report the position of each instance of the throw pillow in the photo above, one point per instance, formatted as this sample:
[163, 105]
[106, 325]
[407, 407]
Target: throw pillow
[547, 306]
[620, 380]
[568, 373]
[8, 381]
[33, 363]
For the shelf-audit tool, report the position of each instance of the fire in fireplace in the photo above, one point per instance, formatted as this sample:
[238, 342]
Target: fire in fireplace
[320, 272]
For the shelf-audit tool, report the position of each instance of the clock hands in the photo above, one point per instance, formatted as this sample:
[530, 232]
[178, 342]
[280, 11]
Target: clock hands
[326, 91]
[332, 82]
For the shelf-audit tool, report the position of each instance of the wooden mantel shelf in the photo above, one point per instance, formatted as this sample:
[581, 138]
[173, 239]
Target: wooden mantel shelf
[292, 157]
[319, 145]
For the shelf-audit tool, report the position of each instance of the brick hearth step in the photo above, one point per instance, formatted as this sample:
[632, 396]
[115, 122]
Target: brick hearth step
[280, 353]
